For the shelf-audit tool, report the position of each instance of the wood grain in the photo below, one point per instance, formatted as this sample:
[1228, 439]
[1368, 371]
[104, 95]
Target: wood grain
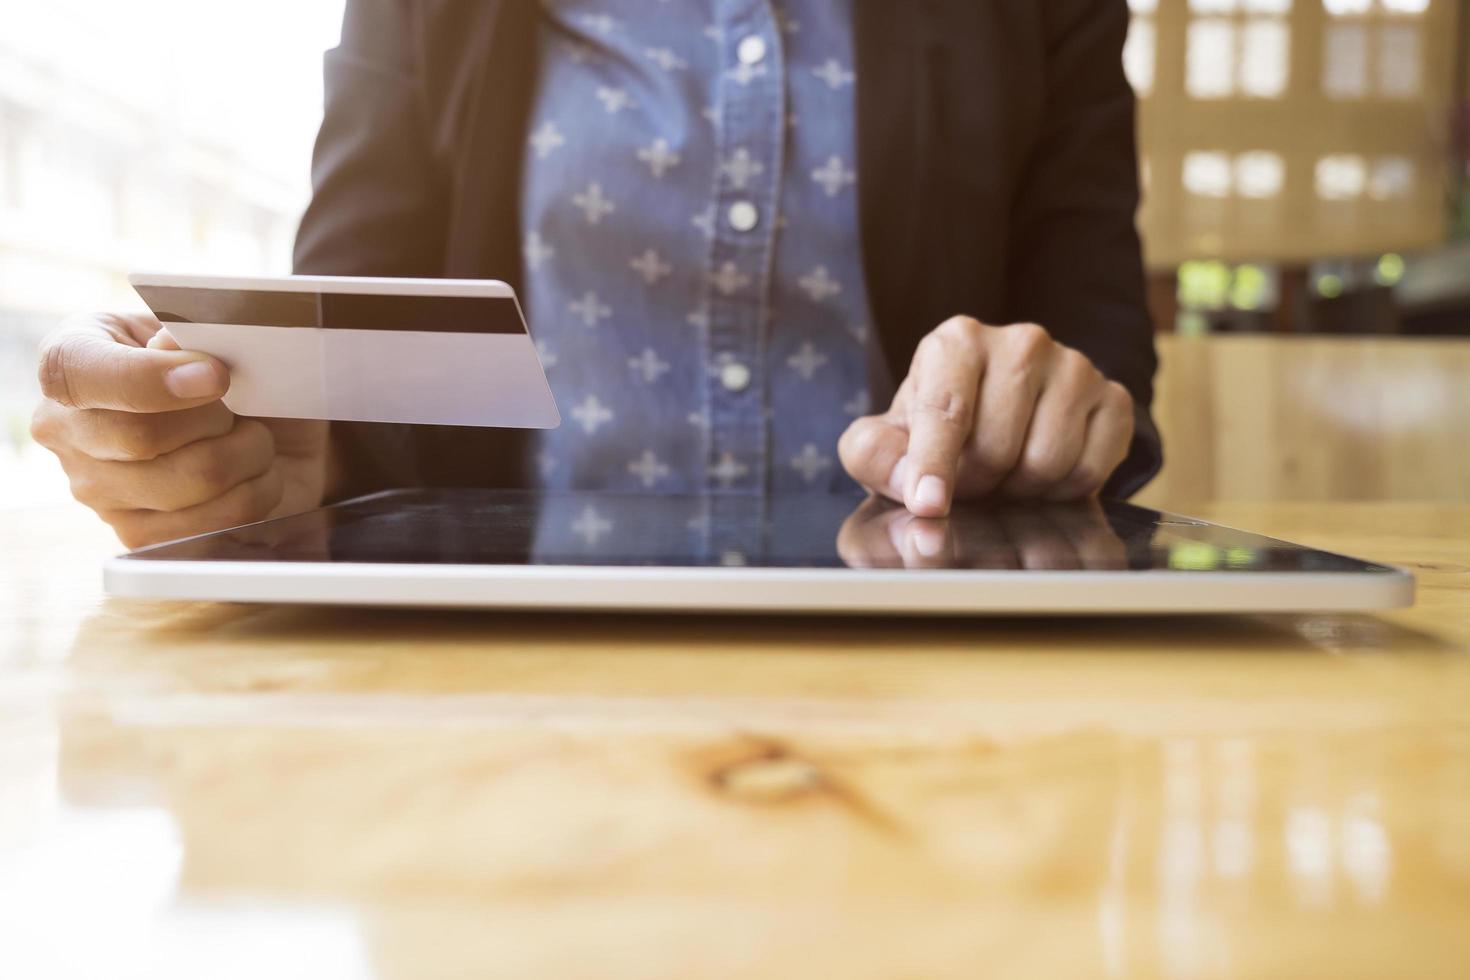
[325, 793]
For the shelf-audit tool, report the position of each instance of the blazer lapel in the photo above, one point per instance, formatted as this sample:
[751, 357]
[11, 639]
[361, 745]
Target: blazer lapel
[893, 148]
[498, 40]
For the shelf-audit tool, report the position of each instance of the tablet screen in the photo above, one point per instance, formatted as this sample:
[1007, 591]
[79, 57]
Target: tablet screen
[488, 527]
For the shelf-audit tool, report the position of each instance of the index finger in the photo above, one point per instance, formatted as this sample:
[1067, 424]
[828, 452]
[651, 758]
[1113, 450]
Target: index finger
[946, 379]
[88, 365]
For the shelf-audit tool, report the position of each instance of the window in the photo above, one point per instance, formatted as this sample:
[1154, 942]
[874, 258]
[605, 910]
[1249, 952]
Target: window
[1238, 48]
[1259, 174]
[1256, 156]
[1345, 61]
[1341, 177]
[1254, 175]
[1374, 48]
[1350, 177]
[1392, 179]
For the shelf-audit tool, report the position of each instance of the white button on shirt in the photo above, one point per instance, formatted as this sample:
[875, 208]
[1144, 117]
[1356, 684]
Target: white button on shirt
[735, 376]
[744, 216]
[752, 50]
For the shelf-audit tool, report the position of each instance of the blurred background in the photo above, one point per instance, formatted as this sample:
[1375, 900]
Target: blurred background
[1304, 165]
[132, 137]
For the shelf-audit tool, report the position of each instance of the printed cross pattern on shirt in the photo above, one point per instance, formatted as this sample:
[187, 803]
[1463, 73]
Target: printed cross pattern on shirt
[690, 213]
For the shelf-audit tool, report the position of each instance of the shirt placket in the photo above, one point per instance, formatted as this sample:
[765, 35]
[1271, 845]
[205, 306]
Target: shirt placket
[750, 119]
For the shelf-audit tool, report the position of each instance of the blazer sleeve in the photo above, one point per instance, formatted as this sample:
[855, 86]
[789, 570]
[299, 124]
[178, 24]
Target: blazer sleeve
[379, 197]
[1078, 267]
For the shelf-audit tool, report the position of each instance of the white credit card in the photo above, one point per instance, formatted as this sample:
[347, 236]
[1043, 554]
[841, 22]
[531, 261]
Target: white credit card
[420, 351]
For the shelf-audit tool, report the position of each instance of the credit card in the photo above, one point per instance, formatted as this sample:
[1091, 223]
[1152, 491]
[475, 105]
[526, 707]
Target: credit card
[419, 351]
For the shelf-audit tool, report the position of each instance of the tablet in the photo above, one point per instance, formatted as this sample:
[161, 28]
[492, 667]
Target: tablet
[749, 554]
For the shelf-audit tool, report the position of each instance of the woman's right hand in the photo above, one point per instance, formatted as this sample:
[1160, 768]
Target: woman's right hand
[140, 430]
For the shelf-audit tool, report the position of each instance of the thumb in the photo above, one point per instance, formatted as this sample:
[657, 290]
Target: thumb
[86, 367]
[163, 340]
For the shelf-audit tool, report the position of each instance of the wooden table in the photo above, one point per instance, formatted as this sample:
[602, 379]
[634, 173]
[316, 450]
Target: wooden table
[216, 790]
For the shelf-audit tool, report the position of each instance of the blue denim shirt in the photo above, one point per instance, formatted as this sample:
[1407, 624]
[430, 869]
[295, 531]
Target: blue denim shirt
[694, 280]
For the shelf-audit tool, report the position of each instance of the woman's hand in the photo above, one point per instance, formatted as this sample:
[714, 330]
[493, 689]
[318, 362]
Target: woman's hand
[140, 430]
[992, 410]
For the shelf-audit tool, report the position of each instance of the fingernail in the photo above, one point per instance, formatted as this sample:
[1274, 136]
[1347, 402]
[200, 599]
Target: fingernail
[931, 493]
[196, 379]
[898, 477]
[928, 541]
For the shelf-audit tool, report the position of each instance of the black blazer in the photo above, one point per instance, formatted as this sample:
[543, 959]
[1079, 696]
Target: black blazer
[998, 179]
